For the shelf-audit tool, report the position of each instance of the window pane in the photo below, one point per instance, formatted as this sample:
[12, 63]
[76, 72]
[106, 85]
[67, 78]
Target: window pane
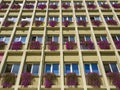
[67, 68]
[70, 18]
[72, 38]
[8, 68]
[49, 39]
[42, 18]
[107, 68]
[28, 69]
[1, 38]
[87, 38]
[16, 39]
[35, 69]
[118, 37]
[7, 39]
[83, 18]
[65, 39]
[104, 38]
[39, 39]
[87, 68]
[23, 39]
[95, 68]
[75, 68]
[48, 68]
[56, 69]
[114, 67]
[16, 68]
[56, 38]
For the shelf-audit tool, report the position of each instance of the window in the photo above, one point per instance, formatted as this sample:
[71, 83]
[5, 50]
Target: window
[53, 68]
[40, 18]
[5, 39]
[116, 37]
[53, 18]
[37, 38]
[85, 38]
[108, 18]
[81, 18]
[113, 2]
[20, 38]
[71, 68]
[12, 68]
[91, 68]
[32, 68]
[14, 19]
[95, 18]
[26, 19]
[111, 67]
[52, 38]
[101, 38]
[67, 18]
[69, 38]
[1, 18]
[54, 3]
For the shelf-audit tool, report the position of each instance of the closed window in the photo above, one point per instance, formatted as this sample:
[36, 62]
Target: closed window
[37, 38]
[95, 18]
[85, 38]
[53, 18]
[52, 68]
[108, 18]
[5, 39]
[20, 38]
[40, 18]
[101, 38]
[14, 19]
[71, 68]
[67, 18]
[52, 38]
[81, 18]
[116, 37]
[91, 68]
[69, 38]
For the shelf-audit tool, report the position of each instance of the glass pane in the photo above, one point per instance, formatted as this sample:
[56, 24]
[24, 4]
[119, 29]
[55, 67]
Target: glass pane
[72, 38]
[114, 37]
[97, 18]
[118, 37]
[56, 38]
[114, 67]
[56, 18]
[107, 68]
[98, 39]
[42, 18]
[49, 39]
[65, 39]
[104, 38]
[67, 68]
[95, 68]
[1, 38]
[16, 68]
[56, 69]
[83, 18]
[78, 18]
[7, 39]
[23, 39]
[87, 68]
[28, 69]
[16, 39]
[75, 68]
[35, 69]
[8, 68]
[48, 68]
[39, 39]
[70, 18]
[87, 38]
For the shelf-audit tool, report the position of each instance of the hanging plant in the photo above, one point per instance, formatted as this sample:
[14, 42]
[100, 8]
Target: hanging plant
[105, 6]
[104, 45]
[52, 6]
[114, 78]
[66, 23]
[96, 22]
[117, 44]
[38, 23]
[26, 79]
[3, 5]
[52, 23]
[53, 45]
[65, 6]
[24, 23]
[35, 45]
[71, 45]
[41, 6]
[49, 79]
[2, 44]
[16, 45]
[7, 23]
[116, 6]
[72, 79]
[93, 79]
[87, 45]
[91, 6]
[8, 79]
[111, 22]
[82, 22]
[78, 6]
[29, 6]
[15, 6]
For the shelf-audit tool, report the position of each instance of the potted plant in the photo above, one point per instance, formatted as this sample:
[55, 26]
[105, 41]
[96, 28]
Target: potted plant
[111, 22]
[53, 45]
[78, 6]
[26, 79]
[53, 6]
[38, 23]
[2, 44]
[66, 23]
[116, 5]
[104, 45]
[82, 22]
[65, 6]
[15, 6]
[7, 23]
[49, 79]
[35, 45]
[71, 45]
[8, 79]
[16, 45]
[93, 79]
[114, 77]
[52, 23]
[29, 6]
[105, 6]
[117, 44]
[24, 23]
[3, 6]
[41, 6]
[96, 22]
[87, 45]
[91, 6]
[72, 79]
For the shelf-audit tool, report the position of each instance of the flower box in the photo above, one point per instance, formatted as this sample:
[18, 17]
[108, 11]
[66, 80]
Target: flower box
[66, 23]
[41, 6]
[26, 79]
[87, 45]
[16, 45]
[114, 77]
[65, 6]
[105, 6]
[29, 6]
[91, 6]
[71, 45]
[78, 6]
[104, 45]
[82, 22]
[116, 6]
[38, 23]
[8, 79]
[111, 22]
[96, 22]
[49, 79]
[15, 6]
[53, 45]
[3, 6]
[93, 79]
[52, 23]
[2, 44]
[117, 44]
[72, 79]
[24, 23]
[53, 6]
[35, 45]
[7, 23]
